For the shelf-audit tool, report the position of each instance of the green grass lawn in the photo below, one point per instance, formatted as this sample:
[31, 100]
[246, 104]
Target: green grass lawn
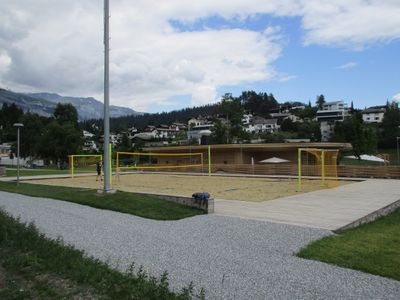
[135, 204]
[34, 267]
[12, 172]
[372, 247]
[35, 172]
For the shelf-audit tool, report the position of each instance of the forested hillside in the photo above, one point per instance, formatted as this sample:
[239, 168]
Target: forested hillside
[250, 101]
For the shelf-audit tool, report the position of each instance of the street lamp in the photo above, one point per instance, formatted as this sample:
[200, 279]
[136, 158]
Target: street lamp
[18, 125]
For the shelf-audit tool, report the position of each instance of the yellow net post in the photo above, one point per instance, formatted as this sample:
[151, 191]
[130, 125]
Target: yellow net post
[209, 160]
[74, 159]
[110, 151]
[299, 170]
[117, 164]
[320, 163]
[71, 164]
[323, 167]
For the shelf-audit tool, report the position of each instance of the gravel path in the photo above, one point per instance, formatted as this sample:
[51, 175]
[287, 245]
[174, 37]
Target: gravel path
[231, 258]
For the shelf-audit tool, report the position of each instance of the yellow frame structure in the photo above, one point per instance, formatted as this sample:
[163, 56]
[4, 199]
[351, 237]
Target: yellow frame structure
[323, 151]
[160, 166]
[81, 155]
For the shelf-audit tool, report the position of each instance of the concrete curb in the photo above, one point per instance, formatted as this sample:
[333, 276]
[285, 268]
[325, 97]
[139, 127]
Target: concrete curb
[372, 216]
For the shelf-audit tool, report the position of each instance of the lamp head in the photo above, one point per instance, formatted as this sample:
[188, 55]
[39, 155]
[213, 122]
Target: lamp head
[18, 125]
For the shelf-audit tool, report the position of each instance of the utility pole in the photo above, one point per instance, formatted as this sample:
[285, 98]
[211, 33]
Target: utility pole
[106, 154]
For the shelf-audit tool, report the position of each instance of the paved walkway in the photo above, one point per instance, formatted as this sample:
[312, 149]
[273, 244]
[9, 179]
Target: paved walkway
[328, 209]
[232, 258]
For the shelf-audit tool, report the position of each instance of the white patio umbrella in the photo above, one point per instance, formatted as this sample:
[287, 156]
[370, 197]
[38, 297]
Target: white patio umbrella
[367, 157]
[274, 160]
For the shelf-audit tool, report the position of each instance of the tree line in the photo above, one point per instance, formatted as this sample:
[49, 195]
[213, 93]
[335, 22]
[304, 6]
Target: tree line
[52, 139]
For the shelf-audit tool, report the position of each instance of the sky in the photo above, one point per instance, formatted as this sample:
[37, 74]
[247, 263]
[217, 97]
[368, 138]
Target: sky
[167, 55]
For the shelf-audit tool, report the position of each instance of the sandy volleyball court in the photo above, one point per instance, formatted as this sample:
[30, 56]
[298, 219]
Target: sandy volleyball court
[220, 187]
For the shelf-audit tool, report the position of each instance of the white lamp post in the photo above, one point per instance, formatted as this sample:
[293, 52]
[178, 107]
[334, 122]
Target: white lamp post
[18, 125]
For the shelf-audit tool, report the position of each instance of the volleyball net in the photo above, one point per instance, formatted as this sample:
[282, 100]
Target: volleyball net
[128, 161]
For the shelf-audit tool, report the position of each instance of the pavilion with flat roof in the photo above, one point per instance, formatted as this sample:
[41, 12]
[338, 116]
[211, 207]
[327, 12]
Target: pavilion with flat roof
[248, 153]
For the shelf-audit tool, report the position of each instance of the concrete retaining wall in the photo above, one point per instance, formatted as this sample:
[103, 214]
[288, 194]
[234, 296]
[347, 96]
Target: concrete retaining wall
[207, 206]
[372, 216]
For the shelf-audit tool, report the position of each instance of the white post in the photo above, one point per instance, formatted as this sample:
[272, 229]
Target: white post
[18, 125]
[18, 156]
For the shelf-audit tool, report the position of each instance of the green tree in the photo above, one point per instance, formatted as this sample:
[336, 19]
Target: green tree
[320, 101]
[260, 103]
[354, 131]
[390, 127]
[233, 111]
[66, 113]
[277, 137]
[58, 141]
[126, 144]
[9, 114]
[308, 112]
[61, 137]
[288, 125]
[31, 134]
[219, 133]
[309, 130]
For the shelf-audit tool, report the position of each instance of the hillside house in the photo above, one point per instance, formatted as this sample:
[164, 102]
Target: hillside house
[5, 150]
[89, 146]
[261, 125]
[87, 134]
[331, 112]
[166, 132]
[373, 114]
[197, 121]
[200, 133]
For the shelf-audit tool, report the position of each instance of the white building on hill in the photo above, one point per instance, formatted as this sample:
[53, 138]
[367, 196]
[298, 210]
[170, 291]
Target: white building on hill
[373, 114]
[261, 125]
[332, 112]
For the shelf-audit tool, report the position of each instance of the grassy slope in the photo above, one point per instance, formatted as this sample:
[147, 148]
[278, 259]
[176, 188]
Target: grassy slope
[135, 204]
[372, 247]
[34, 267]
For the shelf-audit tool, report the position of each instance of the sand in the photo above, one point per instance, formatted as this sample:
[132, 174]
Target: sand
[219, 187]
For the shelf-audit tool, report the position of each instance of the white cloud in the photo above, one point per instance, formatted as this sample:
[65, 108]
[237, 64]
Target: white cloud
[57, 45]
[396, 97]
[285, 77]
[350, 23]
[151, 61]
[348, 65]
[5, 61]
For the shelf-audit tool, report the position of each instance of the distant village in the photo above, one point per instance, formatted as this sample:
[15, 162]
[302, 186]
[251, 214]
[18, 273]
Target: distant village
[198, 130]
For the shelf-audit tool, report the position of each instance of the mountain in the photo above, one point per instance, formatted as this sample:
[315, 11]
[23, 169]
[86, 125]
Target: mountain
[44, 104]
[88, 108]
[34, 105]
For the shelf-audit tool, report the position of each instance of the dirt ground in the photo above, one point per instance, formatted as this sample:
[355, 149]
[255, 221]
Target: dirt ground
[219, 187]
